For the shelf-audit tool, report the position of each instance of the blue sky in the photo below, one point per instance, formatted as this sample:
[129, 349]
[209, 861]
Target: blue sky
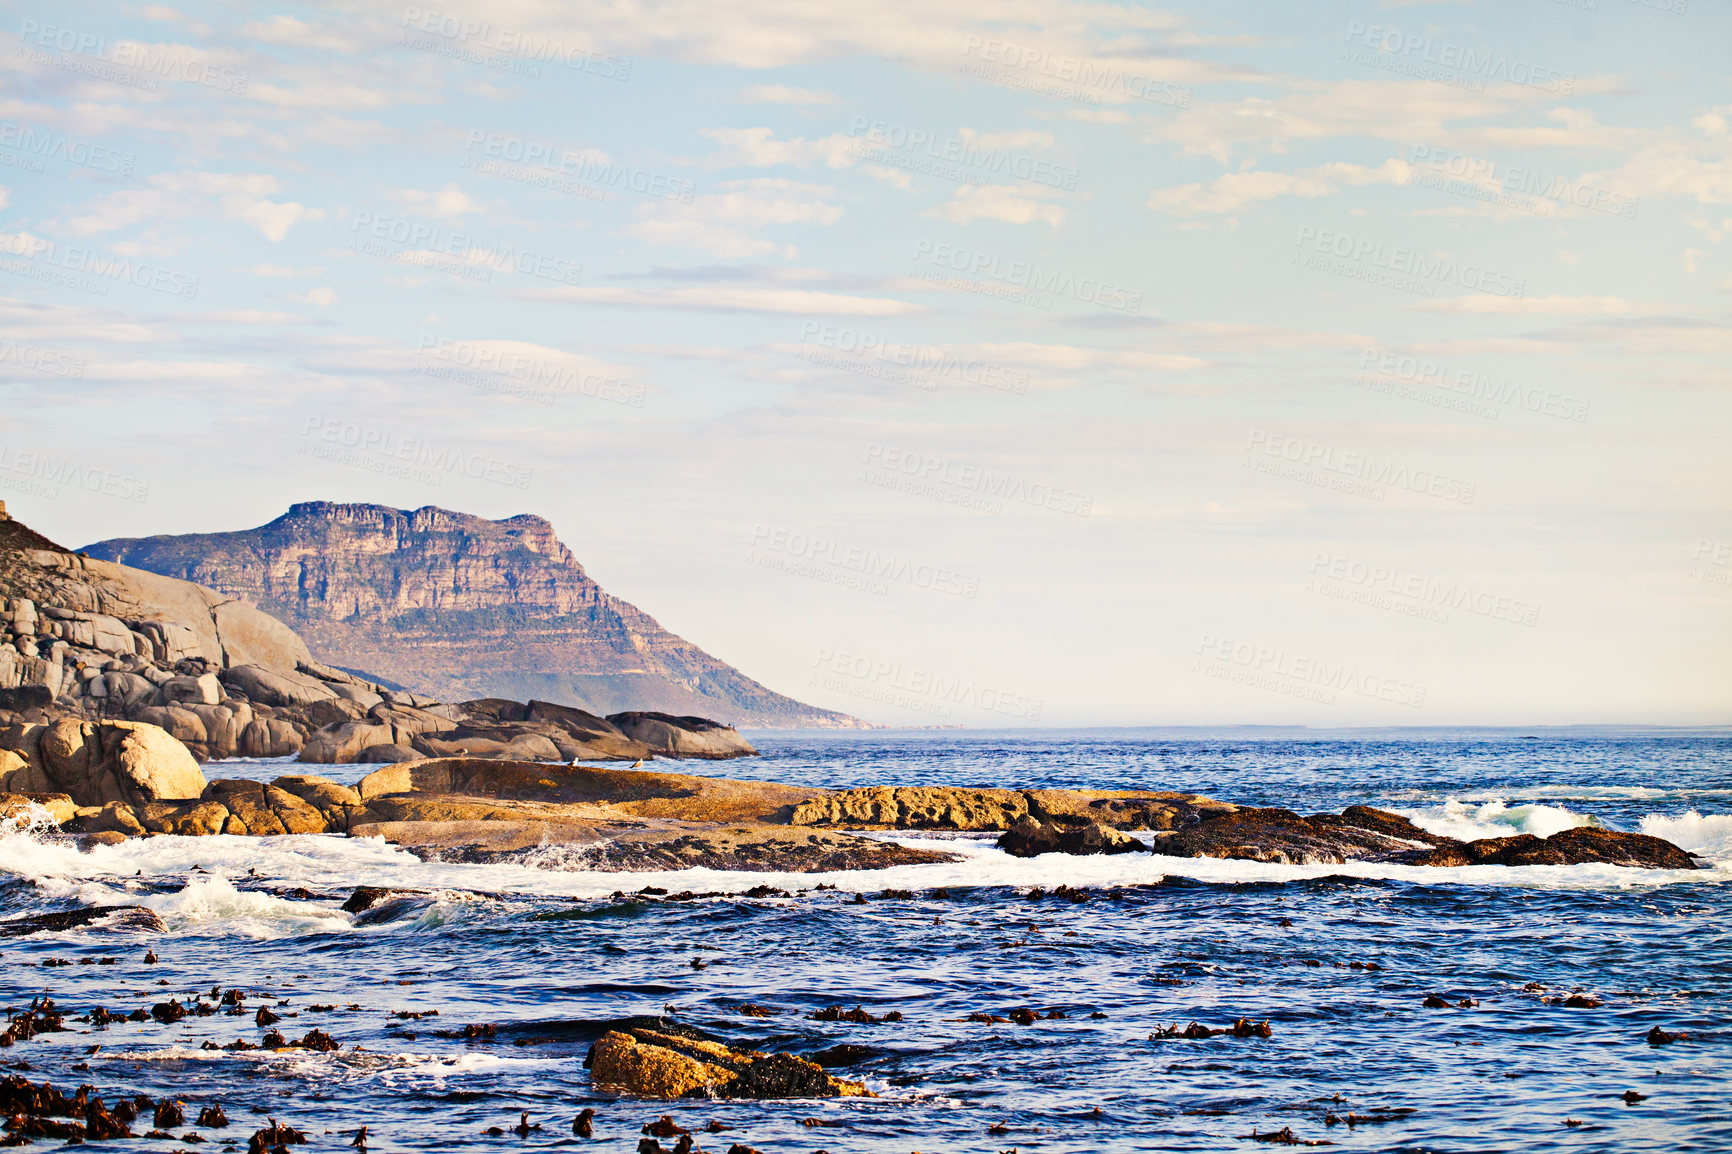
[941, 363]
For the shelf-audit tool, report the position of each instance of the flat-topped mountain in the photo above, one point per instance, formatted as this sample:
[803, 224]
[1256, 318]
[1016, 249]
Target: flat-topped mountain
[457, 607]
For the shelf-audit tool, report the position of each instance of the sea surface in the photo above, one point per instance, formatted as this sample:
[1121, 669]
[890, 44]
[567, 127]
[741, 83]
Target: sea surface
[544, 952]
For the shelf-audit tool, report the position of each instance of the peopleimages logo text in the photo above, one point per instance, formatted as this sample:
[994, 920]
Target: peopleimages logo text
[1027, 275]
[1363, 469]
[39, 144]
[1408, 263]
[988, 483]
[76, 259]
[1315, 673]
[956, 150]
[1075, 70]
[418, 237]
[1473, 385]
[583, 167]
[1514, 179]
[329, 437]
[868, 563]
[892, 675]
[507, 42]
[162, 60]
[1479, 64]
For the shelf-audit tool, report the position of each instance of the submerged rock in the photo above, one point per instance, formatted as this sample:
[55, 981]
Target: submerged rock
[135, 918]
[662, 1065]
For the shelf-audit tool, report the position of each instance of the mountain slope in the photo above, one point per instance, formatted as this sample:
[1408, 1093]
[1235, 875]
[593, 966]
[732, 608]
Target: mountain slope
[458, 607]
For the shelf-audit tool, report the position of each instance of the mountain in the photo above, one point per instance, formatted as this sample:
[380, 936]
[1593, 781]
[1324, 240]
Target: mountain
[456, 607]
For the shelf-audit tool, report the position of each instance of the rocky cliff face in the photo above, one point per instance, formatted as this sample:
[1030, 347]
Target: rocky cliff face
[458, 607]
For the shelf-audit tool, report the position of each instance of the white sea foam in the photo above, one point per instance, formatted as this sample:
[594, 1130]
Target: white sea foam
[1565, 792]
[1706, 835]
[210, 903]
[1494, 818]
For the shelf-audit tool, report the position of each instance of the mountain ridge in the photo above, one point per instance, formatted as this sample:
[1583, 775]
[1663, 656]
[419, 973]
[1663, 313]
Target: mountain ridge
[458, 606]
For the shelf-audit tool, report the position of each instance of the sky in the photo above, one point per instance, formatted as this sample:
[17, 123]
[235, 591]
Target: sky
[1028, 363]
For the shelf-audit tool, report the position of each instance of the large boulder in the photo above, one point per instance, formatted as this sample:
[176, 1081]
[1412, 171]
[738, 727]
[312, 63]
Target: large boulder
[25, 807]
[344, 743]
[670, 736]
[120, 691]
[598, 738]
[204, 689]
[96, 763]
[250, 636]
[276, 686]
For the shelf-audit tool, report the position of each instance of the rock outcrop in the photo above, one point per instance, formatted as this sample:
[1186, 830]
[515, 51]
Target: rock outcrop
[1031, 837]
[478, 810]
[1084, 821]
[1567, 847]
[1361, 833]
[457, 607]
[959, 808]
[663, 1065]
[683, 736]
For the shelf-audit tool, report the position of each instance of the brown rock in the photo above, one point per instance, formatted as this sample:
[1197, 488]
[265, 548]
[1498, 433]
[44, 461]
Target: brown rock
[1568, 847]
[1284, 837]
[342, 743]
[1031, 838]
[189, 819]
[17, 806]
[661, 1065]
[680, 737]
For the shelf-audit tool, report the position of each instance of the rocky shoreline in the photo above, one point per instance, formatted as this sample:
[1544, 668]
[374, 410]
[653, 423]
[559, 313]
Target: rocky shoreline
[112, 780]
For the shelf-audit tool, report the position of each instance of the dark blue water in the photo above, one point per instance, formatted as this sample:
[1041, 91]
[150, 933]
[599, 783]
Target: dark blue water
[545, 954]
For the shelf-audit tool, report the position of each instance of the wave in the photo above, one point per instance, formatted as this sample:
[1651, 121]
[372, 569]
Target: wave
[1494, 817]
[218, 886]
[1705, 835]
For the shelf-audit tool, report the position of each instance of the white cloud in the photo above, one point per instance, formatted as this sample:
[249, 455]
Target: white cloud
[1235, 190]
[998, 202]
[286, 30]
[287, 271]
[1714, 122]
[1549, 306]
[179, 195]
[759, 148]
[324, 296]
[783, 94]
[1401, 112]
[795, 301]
[996, 140]
[448, 203]
[895, 176]
[726, 223]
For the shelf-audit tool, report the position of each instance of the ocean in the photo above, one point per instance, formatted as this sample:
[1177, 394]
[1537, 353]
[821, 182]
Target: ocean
[1339, 960]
